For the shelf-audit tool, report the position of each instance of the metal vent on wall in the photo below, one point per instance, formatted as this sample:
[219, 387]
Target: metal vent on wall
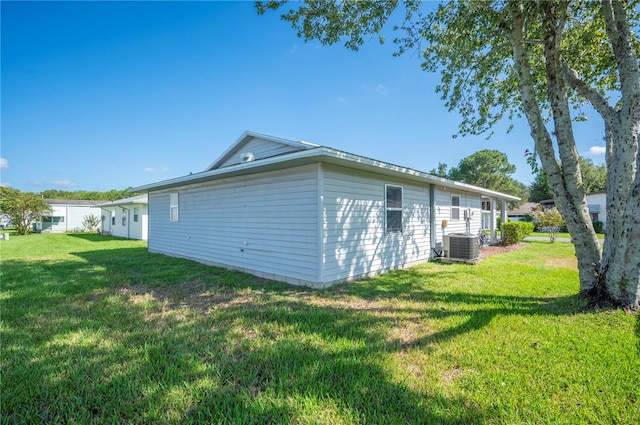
[246, 157]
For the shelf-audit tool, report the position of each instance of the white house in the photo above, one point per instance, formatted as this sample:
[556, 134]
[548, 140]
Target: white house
[67, 215]
[126, 218]
[596, 202]
[310, 215]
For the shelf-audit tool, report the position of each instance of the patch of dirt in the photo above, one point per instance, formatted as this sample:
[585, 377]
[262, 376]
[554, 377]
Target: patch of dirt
[490, 250]
[191, 295]
[566, 263]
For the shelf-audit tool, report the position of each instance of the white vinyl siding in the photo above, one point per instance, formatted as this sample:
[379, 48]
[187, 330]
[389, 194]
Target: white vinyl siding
[264, 222]
[468, 201]
[260, 149]
[355, 242]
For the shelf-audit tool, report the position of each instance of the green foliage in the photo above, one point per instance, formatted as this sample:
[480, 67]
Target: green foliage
[598, 226]
[490, 169]
[515, 231]
[23, 207]
[441, 171]
[539, 189]
[97, 330]
[549, 219]
[594, 179]
[91, 222]
[84, 195]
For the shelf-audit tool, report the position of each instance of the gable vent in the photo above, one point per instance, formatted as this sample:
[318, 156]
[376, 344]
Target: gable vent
[246, 157]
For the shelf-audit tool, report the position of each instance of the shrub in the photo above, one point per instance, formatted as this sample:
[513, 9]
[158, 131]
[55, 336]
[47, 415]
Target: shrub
[598, 226]
[549, 219]
[91, 222]
[515, 231]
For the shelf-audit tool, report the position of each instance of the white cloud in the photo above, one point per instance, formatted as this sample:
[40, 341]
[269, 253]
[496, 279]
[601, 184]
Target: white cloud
[4, 164]
[153, 170]
[5, 184]
[381, 89]
[341, 99]
[64, 183]
[597, 150]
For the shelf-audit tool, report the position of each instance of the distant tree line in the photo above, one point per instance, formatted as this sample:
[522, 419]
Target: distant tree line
[86, 195]
[491, 169]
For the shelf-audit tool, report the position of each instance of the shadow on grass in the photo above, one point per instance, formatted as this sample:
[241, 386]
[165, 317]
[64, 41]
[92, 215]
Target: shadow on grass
[94, 237]
[127, 335]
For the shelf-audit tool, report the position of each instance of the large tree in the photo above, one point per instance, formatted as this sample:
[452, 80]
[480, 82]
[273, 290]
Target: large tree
[533, 59]
[489, 168]
[23, 208]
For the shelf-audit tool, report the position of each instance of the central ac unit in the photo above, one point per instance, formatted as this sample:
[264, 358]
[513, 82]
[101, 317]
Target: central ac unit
[461, 247]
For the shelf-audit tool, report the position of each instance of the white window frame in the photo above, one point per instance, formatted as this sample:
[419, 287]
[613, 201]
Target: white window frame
[388, 209]
[174, 207]
[455, 209]
[135, 214]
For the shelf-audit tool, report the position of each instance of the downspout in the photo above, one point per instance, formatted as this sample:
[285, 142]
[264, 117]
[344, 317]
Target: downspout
[128, 223]
[432, 218]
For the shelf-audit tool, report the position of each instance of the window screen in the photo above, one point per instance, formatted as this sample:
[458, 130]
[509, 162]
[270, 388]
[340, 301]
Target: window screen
[455, 207]
[393, 208]
[173, 207]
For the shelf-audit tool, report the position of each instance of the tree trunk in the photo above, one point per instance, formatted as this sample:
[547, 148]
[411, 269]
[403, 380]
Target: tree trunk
[565, 181]
[573, 203]
[619, 273]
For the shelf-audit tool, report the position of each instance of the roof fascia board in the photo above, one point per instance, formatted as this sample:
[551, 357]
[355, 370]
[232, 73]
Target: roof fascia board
[140, 199]
[327, 155]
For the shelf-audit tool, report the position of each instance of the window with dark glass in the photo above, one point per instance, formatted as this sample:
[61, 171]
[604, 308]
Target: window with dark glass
[393, 207]
[455, 207]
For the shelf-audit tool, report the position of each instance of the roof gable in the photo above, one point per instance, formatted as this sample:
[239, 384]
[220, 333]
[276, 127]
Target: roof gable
[253, 146]
[139, 199]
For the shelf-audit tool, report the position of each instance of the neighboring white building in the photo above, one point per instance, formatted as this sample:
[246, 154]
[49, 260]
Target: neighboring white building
[126, 218]
[596, 202]
[67, 215]
[310, 215]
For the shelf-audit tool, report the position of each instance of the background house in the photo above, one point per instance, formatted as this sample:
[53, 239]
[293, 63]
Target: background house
[597, 203]
[308, 214]
[519, 213]
[67, 215]
[126, 218]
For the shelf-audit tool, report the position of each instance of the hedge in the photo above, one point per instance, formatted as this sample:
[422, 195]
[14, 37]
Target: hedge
[515, 231]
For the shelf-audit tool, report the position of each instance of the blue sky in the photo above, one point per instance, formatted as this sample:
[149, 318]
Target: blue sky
[106, 95]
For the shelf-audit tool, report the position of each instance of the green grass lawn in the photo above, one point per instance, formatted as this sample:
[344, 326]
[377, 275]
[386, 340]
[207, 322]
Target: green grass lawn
[97, 330]
[562, 235]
